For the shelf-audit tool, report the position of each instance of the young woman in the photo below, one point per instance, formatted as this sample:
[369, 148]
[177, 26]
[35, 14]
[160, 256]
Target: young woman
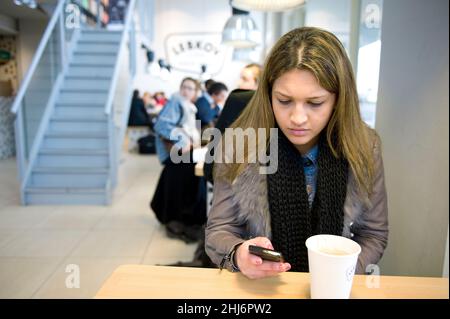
[179, 200]
[329, 178]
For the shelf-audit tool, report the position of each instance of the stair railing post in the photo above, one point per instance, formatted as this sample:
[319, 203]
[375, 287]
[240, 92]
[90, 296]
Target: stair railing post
[99, 8]
[62, 38]
[132, 48]
[112, 150]
[20, 143]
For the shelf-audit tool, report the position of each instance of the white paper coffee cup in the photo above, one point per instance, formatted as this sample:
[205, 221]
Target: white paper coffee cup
[332, 262]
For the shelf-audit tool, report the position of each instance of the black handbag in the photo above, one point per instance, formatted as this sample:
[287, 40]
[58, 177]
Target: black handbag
[147, 145]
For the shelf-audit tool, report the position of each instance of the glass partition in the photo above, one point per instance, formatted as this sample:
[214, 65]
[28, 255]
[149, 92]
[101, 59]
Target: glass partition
[369, 58]
[123, 85]
[40, 88]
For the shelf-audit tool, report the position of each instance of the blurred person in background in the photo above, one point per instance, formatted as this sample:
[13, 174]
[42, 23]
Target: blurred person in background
[148, 100]
[138, 113]
[179, 202]
[250, 76]
[160, 99]
[210, 104]
[207, 84]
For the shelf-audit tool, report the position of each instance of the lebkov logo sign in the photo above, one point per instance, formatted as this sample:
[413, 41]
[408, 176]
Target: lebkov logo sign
[189, 51]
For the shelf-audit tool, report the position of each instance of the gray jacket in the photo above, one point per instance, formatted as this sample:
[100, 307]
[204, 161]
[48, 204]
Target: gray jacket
[240, 211]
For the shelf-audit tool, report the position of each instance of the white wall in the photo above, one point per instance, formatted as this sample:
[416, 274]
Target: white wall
[412, 120]
[173, 16]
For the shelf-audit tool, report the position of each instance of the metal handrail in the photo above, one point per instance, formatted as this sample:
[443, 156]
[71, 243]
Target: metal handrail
[36, 58]
[128, 20]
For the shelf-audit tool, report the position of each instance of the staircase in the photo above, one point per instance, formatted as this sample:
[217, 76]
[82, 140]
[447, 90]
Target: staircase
[72, 108]
[73, 163]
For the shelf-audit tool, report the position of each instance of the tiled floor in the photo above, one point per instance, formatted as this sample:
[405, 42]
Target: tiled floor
[43, 248]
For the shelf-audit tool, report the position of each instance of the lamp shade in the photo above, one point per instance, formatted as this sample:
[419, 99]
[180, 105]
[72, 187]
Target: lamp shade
[240, 32]
[266, 5]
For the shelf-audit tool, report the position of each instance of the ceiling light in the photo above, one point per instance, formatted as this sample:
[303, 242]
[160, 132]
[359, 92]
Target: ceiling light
[266, 5]
[240, 31]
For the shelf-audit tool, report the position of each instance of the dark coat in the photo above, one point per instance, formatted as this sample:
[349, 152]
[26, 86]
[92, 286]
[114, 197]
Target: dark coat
[204, 112]
[235, 104]
[138, 113]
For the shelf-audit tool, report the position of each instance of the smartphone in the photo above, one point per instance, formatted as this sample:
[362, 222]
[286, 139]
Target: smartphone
[265, 253]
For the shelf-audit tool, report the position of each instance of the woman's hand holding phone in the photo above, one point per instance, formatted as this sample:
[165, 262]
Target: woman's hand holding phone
[253, 266]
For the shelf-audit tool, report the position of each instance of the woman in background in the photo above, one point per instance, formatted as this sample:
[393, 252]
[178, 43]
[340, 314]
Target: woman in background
[250, 76]
[178, 201]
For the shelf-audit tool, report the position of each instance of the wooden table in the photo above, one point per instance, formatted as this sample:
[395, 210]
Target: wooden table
[143, 281]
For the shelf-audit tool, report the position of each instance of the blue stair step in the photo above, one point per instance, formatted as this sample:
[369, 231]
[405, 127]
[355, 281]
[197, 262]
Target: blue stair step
[93, 59]
[89, 71]
[77, 90]
[56, 151]
[87, 98]
[88, 29]
[62, 190]
[66, 125]
[74, 177]
[66, 196]
[76, 64]
[88, 77]
[89, 47]
[80, 118]
[77, 104]
[70, 170]
[86, 84]
[65, 143]
[76, 134]
[89, 41]
[90, 158]
[100, 37]
[68, 110]
[85, 52]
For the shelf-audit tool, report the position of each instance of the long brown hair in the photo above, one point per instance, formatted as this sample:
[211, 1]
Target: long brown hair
[321, 53]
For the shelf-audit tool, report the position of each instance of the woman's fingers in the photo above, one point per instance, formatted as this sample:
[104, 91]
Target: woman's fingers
[254, 266]
[268, 269]
[268, 245]
[255, 260]
[263, 242]
[274, 266]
